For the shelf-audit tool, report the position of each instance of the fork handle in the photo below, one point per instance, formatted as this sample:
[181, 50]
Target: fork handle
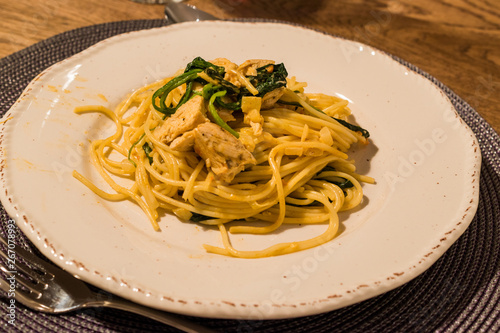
[160, 316]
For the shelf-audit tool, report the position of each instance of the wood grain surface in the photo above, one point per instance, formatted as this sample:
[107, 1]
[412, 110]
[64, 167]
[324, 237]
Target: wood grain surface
[456, 41]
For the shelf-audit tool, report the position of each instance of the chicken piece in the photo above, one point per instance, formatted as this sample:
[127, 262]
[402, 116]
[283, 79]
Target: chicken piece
[230, 68]
[249, 67]
[223, 153]
[185, 142]
[250, 140]
[187, 117]
[272, 97]
[226, 115]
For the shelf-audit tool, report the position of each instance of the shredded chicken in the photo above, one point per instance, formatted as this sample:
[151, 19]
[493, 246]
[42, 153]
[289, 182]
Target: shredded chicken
[187, 117]
[271, 98]
[250, 140]
[185, 142]
[225, 114]
[249, 67]
[223, 153]
[230, 68]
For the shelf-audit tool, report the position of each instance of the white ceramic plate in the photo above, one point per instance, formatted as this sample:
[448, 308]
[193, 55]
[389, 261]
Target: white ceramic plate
[425, 159]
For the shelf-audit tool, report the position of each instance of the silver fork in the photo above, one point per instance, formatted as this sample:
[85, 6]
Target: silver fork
[50, 289]
[176, 12]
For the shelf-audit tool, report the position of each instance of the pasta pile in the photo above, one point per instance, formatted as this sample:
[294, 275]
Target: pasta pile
[256, 153]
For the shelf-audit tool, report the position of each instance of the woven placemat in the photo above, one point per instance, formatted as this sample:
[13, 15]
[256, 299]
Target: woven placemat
[459, 293]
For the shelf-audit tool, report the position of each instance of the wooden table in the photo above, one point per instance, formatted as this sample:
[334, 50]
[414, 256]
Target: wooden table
[456, 41]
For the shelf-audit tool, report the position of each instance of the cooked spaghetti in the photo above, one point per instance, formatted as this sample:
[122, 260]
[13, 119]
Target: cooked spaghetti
[239, 148]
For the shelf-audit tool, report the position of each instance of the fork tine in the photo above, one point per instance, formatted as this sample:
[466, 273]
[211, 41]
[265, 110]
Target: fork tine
[35, 282]
[20, 267]
[33, 285]
[21, 296]
[33, 259]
